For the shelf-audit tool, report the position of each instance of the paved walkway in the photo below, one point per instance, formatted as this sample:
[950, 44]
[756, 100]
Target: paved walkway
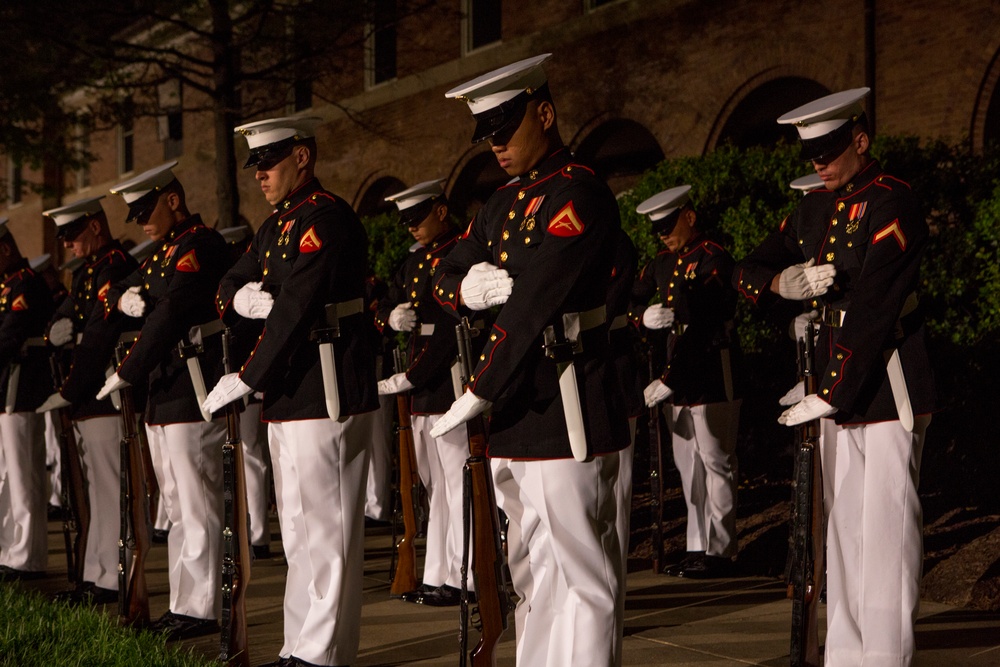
[739, 621]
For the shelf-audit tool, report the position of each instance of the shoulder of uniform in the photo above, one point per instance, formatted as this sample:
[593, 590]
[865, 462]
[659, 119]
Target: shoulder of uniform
[892, 183]
[576, 170]
[323, 198]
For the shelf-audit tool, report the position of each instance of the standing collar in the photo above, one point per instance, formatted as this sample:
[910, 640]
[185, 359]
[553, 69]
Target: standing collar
[860, 180]
[296, 197]
[548, 166]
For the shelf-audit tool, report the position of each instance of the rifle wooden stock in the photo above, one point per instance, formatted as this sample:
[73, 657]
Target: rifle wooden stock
[76, 504]
[233, 642]
[487, 547]
[655, 473]
[808, 563]
[133, 594]
[405, 577]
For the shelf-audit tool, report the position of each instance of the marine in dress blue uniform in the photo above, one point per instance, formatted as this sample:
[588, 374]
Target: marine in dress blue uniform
[304, 274]
[692, 276]
[173, 290]
[88, 332]
[543, 247]
[431, 352]
[25, 382]
[852, 250]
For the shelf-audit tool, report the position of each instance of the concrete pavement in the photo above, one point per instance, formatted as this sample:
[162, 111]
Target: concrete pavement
[727, 622]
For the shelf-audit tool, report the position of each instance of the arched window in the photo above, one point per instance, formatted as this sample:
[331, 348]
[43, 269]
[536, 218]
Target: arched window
[619, 150]
[753, 121]
[478, 178]
[373, 202]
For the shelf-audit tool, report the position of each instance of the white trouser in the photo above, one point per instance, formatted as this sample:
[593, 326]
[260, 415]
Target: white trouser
[378, 492]
[99, 441]
[256, 463]
[439, 463]
[623, 520]
[192, 458]
[165, 482]
[53, 459]
[23, 527]
[874, 543]
[564, 558]
[319, 468]
[704, 447]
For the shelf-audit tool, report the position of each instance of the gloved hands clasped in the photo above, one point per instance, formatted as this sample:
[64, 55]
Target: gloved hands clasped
[485, 286]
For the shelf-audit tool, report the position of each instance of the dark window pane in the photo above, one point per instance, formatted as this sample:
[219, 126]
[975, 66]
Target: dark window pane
[484, 22]
[384, 41]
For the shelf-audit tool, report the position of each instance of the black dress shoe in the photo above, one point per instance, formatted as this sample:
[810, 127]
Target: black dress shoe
[415, 594]
[709, 567]
[8, 573]
[261, 551]
[179, 626]
[442, 596]
[160, 536]
[689, 559]
[87, 594]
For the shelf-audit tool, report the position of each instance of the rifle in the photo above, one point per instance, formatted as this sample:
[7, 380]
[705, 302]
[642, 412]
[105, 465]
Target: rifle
[808, 565]
[233, 645]
[480, 506]
[655, 473]
[133, 595]
[76, 514]
[405, 576]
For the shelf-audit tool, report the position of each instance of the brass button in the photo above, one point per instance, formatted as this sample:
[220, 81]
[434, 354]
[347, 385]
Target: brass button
[670, 298]
[830, 256]
[826, 391]
[413, 294]
[493, 337]
[679, 261]
[420, 265]
[489, 243]
[527, 240]
[833, 223]
[265, 272]
[671, 285]
[833, 239]
[482, 357]
[840, 356]
[416, 279]
[841, 206]
[520, 195]
[267, 254]
[505, 235]
[156, 258]
[510, 216]
[428, 256]
[503, 257]
[284, 256]
[833, 374]
[850, 244]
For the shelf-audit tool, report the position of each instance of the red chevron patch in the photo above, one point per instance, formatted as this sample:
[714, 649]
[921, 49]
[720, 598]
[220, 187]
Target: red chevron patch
[894, 230]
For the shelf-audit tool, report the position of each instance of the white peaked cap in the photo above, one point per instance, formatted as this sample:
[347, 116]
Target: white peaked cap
[83, 208]
[664, 203]
[420, 192]
[146, 182]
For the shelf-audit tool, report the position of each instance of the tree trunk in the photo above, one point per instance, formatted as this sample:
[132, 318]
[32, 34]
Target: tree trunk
[225, 116]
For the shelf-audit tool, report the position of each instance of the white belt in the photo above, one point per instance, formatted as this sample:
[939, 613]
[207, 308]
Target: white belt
[208, 328]
[37, 341]
[618, 323]
[834, 317]
[426, 330]
[576, 323]
[348, 308]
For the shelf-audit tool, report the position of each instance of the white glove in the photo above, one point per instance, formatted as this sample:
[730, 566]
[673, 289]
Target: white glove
[402, 317]
[394, 384]
[53, 402]
[229, 388]
[486, 285]
[797, 330]
[113, 383]
[656, 392]
[250, 301]
[61, 332]
[805, 281]
[658, 317]
[131, 302]
[461, 411]
[809, 408]
[794, 395]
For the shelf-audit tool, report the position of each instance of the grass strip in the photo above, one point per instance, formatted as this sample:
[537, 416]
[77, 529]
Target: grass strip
[37, 631]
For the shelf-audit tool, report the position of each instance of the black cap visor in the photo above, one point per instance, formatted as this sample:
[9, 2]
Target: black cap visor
[665, 226]
[414, 215]
[265, 157]
[827, 148]
[71, 230]
[502, 121]
[140, 210]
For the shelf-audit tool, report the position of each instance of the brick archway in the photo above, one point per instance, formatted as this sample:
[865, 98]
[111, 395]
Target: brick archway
[372, 193]
[985, 125]
[475, 177]
[618, 149]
